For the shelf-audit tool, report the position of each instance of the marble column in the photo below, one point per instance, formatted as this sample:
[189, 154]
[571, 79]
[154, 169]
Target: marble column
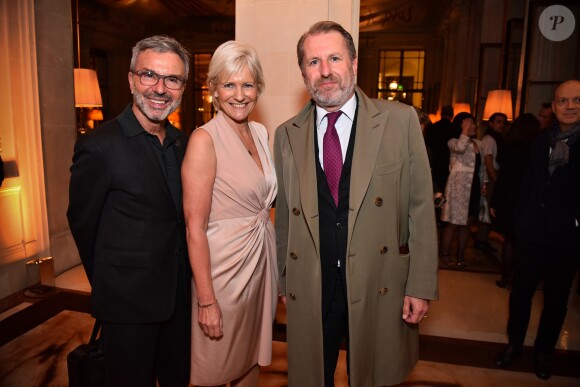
[273, 27]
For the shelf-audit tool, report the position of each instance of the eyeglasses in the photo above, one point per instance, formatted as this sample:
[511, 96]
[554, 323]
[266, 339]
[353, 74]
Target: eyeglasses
[149, 78]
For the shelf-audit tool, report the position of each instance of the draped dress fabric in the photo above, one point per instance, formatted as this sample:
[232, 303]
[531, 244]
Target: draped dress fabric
[243, 259]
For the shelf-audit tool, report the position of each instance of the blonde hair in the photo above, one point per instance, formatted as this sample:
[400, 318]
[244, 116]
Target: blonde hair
[230, 58]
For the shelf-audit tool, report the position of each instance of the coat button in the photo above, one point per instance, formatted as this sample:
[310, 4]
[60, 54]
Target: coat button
[339, 226]
[379, 201]
[293, 256]
[296, 211]
[383, 291]
[292, 296]
[384, 250]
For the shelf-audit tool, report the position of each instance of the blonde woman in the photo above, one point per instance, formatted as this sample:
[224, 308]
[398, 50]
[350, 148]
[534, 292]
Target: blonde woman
[229, 185]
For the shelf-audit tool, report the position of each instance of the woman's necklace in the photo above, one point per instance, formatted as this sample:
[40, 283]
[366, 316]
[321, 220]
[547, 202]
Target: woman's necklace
[244, 141]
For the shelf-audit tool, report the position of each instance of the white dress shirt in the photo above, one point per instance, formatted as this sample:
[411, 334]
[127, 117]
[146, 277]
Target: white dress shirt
[343, 126]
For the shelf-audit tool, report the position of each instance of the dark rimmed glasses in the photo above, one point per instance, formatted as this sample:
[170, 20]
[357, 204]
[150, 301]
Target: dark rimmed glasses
[150, 78]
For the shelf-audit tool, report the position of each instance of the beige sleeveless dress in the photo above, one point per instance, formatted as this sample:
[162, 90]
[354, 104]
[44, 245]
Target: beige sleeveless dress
[243, 259]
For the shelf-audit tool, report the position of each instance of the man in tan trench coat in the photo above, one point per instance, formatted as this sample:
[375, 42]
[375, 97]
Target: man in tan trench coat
[357, 259]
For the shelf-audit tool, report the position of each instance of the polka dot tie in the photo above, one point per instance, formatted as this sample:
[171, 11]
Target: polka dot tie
[332, 155]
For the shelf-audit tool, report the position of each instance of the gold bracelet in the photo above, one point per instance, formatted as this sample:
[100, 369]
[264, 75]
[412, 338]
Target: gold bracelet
[207, 305]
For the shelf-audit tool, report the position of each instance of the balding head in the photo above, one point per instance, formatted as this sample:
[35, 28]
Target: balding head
[566, 104]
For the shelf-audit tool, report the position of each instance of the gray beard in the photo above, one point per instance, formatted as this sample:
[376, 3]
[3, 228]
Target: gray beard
[327, 101]
[155, 116]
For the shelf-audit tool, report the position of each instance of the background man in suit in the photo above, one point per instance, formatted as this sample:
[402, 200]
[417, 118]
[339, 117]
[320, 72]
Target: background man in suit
[436, 138]
[547, 225]
[546, 116]
[357, 247]
[125, 214]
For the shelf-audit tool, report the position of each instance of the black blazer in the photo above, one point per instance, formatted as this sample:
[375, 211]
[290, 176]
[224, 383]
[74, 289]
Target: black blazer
[125, 223]
[548, 207]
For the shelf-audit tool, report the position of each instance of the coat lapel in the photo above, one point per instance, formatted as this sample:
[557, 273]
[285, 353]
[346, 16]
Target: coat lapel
[369, 133]
[301, 136]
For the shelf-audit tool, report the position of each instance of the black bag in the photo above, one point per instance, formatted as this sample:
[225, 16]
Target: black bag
[86, 363]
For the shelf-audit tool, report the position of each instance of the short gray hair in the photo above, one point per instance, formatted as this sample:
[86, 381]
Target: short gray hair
[161, 44]
[230, 58]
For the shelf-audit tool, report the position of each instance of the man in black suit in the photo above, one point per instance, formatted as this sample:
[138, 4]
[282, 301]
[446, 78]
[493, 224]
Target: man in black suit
[436, 138]
[125, 214]
[547, 223]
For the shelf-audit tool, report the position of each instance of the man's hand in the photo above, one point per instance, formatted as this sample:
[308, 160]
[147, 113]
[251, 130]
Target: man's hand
[414, 309]
[283, 298]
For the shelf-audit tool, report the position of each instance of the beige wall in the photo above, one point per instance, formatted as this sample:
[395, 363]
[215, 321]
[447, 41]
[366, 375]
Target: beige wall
[273, 27]
[23, 223]
[54, 45]
[37, 137]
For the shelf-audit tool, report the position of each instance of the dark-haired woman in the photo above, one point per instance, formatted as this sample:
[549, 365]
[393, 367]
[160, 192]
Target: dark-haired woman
[465, 185]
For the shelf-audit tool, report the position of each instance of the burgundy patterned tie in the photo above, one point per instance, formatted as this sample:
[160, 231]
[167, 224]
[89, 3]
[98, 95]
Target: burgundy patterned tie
[332, 155]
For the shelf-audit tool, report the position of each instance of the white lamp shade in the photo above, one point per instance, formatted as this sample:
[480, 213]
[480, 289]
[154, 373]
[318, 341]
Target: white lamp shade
[87, 92]
[498, 101]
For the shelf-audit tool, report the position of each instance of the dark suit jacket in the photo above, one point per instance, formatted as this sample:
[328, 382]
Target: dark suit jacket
[549, 206]
[436, 139]
[125, 223]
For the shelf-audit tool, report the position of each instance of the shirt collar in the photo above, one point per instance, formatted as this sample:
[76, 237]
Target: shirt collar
[348, 109]
[132, 127]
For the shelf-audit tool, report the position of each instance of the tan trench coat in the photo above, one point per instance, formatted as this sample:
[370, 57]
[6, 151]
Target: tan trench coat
[391, 204]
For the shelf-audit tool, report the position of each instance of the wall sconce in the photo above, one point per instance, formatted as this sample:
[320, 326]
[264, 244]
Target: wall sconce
[87, 94]
[461, 107]
[498, 101]
[435, 117]
[175, 118]
[94, 116]
[87, 91]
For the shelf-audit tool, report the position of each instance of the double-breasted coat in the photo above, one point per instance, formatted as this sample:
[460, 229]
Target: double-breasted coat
[391, 205]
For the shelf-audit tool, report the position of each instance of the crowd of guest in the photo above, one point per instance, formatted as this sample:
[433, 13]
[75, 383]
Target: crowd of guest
[498, 144]
[529, 175]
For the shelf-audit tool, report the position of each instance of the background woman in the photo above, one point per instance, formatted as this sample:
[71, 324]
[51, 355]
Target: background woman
[464, 188]
[229, 185]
